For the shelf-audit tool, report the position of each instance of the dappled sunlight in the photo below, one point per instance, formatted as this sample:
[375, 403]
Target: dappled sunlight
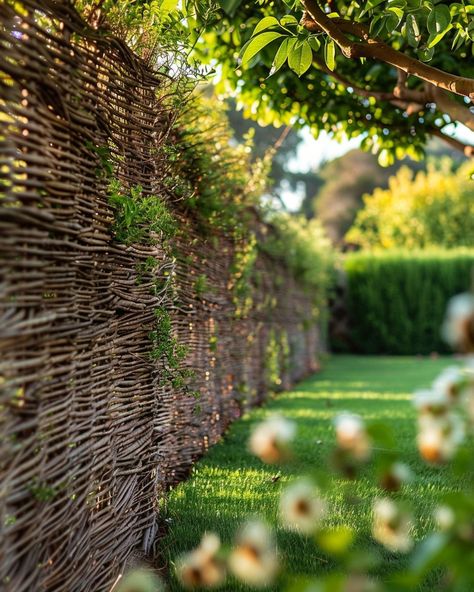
[230, 484]
[336, 394]
[309, 413]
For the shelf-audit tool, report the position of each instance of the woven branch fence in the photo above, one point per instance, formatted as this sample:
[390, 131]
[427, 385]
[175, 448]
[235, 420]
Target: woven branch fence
[93, 430]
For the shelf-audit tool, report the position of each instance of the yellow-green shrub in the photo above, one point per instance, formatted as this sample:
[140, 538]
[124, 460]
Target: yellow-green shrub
[434, 208]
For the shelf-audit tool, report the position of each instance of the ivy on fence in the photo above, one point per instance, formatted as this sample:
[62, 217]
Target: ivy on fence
[132, 331]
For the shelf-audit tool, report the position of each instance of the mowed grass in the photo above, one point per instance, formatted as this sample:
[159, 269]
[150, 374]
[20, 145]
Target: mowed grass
[229, 484]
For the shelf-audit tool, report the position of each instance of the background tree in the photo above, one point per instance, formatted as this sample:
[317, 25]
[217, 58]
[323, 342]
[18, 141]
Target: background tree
[395, 71]
[285, 142]
[433, 208]
[346, 179]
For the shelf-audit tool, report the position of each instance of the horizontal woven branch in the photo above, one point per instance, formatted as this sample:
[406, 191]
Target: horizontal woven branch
[93, 432]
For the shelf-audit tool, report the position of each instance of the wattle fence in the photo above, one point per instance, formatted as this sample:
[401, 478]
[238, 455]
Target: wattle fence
[120, 363]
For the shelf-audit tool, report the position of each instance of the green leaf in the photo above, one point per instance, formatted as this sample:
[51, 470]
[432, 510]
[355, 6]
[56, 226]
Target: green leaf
[436, 37]
[330, 54]
[230, 6]
[426, 54]
[288, 19]
[282, 54]
[265, 23]
[470, 30]
[314, 43]
[257, 43]
[370, 5]
[394, 18]
[439, 19]
[377, 25]
[300, 58]
[412, 31]
[168, 5]
[458, 40]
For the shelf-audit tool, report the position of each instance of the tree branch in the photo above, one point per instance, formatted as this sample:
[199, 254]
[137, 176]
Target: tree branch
[376, 49]
[378, 95]
[455, 110]
[466, 149]
[411, 101]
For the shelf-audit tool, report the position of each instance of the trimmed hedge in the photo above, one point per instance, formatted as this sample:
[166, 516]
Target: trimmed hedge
[396, 300]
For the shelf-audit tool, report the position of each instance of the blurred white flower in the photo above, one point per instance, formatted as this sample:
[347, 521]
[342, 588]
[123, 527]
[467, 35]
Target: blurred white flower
[458, 327]
[450, 382]
[444, 517]
[201, 568]
[439, 436]
[254, 558]
[392, 526]
[271, 440]
[352, 436]
[140, 580]
[431, 401]
[398, 474]
[301, 507]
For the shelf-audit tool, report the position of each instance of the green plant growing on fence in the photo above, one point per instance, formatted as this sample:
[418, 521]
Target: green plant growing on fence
[10, 520]
[201, 285]
[213, 342]
[42, 492]
[149, 28]
[305, 249]
[242, 271]
[226, 183]
[178, 186]
[226, 189]
[166, 347]
[106, 167]
[138, 218]
[145, 268]
[277, 354]
[285, 350]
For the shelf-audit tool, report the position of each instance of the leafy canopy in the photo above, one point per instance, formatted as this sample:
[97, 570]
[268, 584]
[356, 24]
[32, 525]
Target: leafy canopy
[393, 71]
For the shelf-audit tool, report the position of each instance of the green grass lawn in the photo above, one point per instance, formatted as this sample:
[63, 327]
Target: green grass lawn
[229, 484]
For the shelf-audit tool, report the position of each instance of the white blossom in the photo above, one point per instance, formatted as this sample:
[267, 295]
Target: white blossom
[450, 382]
[444, 517]
[352, 436]
[201, 568]
[458, 327]
[271, 439]
[392, 526]
[439, 436]
[431, 401]
[301, 507]
[254, 559]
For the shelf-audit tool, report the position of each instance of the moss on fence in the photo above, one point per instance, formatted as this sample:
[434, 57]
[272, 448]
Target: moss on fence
[140, 287]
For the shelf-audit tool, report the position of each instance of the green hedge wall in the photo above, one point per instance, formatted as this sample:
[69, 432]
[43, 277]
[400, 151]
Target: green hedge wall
[396, 300]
